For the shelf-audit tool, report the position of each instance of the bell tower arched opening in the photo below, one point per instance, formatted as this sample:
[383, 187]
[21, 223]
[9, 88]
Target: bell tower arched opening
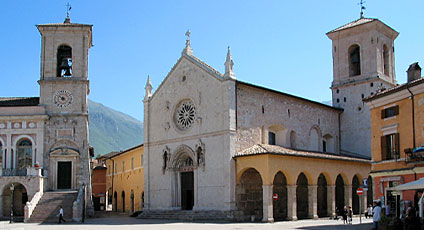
[64, 61]
[354, 61]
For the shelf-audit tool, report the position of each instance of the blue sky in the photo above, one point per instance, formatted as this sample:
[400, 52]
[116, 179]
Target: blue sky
[277, 44]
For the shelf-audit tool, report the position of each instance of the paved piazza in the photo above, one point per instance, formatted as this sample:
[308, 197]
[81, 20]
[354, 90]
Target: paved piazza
[123, 222]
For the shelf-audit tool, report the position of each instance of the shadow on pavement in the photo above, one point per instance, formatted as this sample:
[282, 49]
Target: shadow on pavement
[366, 226]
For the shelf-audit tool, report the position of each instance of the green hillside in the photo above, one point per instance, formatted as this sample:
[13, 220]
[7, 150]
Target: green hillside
[111, 130]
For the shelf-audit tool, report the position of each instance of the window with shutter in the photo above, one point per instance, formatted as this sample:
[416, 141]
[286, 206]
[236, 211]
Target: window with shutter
[390, 148]
[383, 148]
[390, 112]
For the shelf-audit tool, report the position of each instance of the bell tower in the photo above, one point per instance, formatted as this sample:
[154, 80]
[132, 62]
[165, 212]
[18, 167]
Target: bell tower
[64, 87]
[363, 63]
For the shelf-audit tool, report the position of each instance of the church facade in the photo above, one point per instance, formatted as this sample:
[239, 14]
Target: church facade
[44, 140]
[233, 150]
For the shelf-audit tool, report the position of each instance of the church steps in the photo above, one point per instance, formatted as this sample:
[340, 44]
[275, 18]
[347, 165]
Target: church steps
[190, 215]
[48, 206]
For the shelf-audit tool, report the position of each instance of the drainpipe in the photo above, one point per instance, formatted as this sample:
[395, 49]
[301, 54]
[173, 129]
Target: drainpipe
[413, 114]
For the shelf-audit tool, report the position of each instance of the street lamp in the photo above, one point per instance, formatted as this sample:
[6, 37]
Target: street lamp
[12, 188]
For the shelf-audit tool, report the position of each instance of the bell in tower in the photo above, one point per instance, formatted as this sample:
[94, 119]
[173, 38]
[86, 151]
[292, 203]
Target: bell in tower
[64, 61]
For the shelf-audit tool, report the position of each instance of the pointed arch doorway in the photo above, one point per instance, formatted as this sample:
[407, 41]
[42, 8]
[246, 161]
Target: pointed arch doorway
[187, 190]
[183, 171]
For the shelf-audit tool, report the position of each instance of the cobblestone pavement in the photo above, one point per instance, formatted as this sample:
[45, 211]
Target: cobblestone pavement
[121, 222]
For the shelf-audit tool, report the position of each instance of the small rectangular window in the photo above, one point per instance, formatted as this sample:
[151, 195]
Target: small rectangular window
[390, 112]
[390, 146]
[271, 138]
[123, 166]
[324, 146]
[132, 163]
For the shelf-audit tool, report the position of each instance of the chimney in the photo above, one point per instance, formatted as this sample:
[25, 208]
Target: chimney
[414, 72]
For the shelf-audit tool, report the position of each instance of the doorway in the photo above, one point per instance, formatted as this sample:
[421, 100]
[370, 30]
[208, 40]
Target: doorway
[187, 190]
[64, 175]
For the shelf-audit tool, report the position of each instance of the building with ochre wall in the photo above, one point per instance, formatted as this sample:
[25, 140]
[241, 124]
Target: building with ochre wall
[397, 137]
[124, 179]
[217, 146]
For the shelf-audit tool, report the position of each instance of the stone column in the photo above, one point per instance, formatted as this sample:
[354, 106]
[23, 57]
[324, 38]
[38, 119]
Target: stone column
[195, 187]
[348, 195]
[8, 163]
[331, 200]
[291, 202]
[312, 201]
[267, 210]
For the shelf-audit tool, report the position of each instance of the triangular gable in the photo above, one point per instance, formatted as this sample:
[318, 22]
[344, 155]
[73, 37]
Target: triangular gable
[196, 61]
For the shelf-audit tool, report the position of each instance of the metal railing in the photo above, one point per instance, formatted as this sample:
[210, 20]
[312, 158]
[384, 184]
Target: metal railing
[14, 172]
[412, 157]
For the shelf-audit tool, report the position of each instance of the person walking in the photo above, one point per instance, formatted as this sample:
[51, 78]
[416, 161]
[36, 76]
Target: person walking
[61, 215]
[344, 213]
[376, 215]
[349, 215]
[369, 211]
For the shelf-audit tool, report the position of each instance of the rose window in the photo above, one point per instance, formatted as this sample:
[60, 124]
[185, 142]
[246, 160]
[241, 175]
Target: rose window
[185, 115]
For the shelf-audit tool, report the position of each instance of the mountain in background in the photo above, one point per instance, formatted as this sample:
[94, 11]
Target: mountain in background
[111, 130]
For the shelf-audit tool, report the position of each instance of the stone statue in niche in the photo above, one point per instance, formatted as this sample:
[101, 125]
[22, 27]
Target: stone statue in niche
[200, 152]
[166, 156]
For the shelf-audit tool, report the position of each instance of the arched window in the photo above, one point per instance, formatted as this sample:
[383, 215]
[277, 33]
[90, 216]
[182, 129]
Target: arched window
[277, 135]
[354, 61]
[24, 154]
[64, 61]
[293, 139]
[385, 60]
[271, 138]
[314, 140]
[329, 144]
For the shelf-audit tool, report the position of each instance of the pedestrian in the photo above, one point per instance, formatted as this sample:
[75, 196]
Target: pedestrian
[344, 213]
[376, 215]
[369, 211]
[387, 210]
[349, 215]
[61, 215]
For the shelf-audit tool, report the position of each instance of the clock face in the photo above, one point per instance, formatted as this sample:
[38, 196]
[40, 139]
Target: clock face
[62, 98]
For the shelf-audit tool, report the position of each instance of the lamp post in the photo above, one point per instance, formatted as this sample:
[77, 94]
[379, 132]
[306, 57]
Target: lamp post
[12, 188]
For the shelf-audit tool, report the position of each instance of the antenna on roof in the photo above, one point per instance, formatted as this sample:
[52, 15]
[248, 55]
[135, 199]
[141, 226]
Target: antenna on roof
[68, 9]
[361, 3]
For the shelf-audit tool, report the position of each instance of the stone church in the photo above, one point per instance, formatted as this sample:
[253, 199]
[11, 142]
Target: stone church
[44, 140]
[217, 147]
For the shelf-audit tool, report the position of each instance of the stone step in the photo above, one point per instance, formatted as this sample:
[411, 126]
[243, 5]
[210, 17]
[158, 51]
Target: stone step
[188, 215]
[48, 207]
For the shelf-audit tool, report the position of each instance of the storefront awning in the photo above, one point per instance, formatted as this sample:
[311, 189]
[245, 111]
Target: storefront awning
[414, 185]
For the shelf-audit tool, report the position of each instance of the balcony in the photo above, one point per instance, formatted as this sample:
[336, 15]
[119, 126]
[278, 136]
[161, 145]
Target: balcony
[21, 172]
[414, 155]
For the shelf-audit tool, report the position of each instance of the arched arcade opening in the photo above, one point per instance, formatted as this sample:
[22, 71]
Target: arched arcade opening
[19, 197]
[280, 204]
[250, 194]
